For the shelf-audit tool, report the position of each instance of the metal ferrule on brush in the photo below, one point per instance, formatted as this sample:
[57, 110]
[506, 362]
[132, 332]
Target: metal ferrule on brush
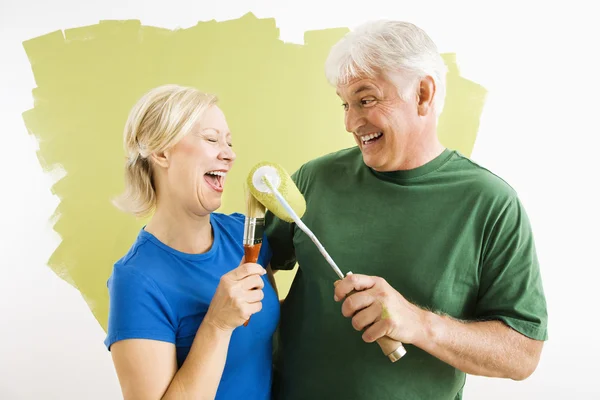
[254, 228]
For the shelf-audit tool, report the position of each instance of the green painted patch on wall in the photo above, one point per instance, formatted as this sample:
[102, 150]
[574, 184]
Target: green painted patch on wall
[278, 104]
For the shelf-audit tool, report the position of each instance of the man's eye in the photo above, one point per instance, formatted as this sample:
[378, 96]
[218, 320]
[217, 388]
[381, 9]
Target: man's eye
[366, 102]
[212, 140]
[345, 106]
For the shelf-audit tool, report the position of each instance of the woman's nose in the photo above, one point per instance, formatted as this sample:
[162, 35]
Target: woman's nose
[227, 153]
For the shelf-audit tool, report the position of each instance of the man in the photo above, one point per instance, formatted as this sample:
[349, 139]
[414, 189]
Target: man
[441, 250]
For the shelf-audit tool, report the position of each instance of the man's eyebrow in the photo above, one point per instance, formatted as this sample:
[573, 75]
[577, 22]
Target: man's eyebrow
[361, 88]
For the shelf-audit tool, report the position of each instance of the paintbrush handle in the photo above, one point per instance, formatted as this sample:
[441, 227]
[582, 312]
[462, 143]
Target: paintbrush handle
[251, 252]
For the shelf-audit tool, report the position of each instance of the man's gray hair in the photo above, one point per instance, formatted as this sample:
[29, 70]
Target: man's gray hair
[400, 50]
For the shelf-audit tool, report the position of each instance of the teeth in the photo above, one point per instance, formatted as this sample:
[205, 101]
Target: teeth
[366, 138]
[217, 173]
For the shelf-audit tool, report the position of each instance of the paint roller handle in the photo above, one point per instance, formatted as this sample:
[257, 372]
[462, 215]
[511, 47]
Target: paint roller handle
[393, 349]
[251, 253]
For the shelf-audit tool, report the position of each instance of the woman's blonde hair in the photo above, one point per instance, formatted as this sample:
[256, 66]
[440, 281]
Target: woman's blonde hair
[161, 118]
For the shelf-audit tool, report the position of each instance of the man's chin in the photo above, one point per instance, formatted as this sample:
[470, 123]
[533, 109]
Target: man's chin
[371, 162]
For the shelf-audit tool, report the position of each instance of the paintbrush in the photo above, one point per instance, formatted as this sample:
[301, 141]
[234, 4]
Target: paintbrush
[254, 228]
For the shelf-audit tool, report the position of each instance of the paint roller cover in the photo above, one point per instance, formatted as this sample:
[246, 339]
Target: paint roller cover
[283, 183]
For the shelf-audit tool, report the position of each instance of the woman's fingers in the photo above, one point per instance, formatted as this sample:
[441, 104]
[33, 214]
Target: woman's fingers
[252, 282]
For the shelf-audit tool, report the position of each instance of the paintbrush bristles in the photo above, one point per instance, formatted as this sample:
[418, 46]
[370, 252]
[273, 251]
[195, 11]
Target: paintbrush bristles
[254, 208]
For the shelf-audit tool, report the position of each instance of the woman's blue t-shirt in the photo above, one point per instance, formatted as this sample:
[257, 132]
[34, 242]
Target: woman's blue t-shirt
[157, 292]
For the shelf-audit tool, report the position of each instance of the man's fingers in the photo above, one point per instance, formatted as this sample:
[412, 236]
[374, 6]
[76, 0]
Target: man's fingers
[366, 317]
[353, 282]
[247, 269]
[356, 302]
[378, 330]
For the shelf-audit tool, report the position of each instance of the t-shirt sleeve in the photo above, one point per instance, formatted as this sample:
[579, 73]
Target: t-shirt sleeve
[280, 235]
[511, 285]
[137, 308]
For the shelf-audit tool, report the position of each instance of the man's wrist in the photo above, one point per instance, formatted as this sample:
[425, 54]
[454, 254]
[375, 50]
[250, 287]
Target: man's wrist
[432, 327]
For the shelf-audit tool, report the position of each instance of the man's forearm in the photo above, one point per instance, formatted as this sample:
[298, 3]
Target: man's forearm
[488, 348]
[200, 374]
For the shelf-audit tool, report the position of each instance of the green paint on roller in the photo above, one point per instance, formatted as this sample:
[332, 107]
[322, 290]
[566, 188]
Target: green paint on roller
[277, 101]
[284, 184]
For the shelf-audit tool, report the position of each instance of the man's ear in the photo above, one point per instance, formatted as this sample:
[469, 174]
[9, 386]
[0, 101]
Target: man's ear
[161, 158]
[426, 94]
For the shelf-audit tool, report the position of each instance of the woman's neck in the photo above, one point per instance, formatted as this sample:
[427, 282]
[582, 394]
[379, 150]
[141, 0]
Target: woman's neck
[181, 230]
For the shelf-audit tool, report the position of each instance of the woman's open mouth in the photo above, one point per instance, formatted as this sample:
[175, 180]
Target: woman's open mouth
[215, 180]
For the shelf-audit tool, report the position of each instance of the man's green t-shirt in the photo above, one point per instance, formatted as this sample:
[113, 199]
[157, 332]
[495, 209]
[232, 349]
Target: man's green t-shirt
[450, 236]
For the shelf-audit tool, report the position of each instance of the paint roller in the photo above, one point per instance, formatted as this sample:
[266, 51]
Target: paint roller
[272, 186]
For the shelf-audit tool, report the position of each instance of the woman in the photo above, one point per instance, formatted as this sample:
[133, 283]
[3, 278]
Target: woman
[178, 295]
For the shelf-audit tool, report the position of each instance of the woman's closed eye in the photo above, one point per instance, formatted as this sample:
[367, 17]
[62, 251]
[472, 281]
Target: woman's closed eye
[215, 140]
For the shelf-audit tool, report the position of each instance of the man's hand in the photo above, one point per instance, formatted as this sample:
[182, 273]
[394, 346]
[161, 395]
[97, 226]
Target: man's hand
[380, 309]
[485, 348]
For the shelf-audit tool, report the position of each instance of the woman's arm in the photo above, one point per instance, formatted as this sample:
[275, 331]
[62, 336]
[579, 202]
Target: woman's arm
[147, 369]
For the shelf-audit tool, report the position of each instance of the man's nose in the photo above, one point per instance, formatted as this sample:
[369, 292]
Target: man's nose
[353, 120]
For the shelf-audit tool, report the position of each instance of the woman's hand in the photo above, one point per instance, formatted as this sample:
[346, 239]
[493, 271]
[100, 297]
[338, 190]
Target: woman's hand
[237, 297]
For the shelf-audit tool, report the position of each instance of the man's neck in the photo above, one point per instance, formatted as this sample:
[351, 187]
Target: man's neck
[419, 154]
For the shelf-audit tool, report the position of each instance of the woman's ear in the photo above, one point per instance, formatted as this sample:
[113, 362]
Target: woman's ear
[161, 158]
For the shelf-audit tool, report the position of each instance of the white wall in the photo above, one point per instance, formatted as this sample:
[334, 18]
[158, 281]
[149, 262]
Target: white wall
[538, 131]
